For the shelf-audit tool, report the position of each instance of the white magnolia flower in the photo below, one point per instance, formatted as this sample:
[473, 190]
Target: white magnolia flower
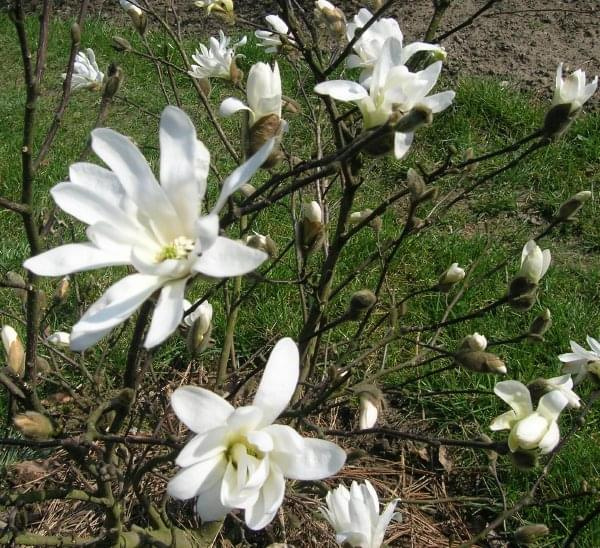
[564, 384]
[393, 89]
[222, 6]
[263, 91]
[60, 338]
[475, 342]
[354, 514]
[238, 458]
[528, 428]
[534, 262]
[369, 46]
[131, 7]
[369, 410]
[216, 60]
[156, 228]
[204, 312]
[86, 74]
[453, 275]
[573, 89]
[311, 211]
[577, 361]
[272, 40]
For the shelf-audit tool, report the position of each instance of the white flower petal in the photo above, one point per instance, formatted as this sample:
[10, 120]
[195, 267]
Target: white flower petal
[190, 481]
[515, 394]
[551, 438]
[205, 446]
[342, 90]
[504, 421]
[304, 458]
[231, 105]
[167, 314]
[209, 506]
[73, 258]
[178, 149]
[262, 512]
[200, 409]
[226, 258]
[402, 143]
[551, 404]
[439, 101]
[279, 380]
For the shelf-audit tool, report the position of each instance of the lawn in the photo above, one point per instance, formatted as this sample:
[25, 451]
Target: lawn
[491, 226]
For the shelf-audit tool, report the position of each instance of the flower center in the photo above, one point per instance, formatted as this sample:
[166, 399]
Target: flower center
[179, 248]
[241, 448]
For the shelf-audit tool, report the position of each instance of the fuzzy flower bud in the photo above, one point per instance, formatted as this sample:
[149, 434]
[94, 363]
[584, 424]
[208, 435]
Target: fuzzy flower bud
[331, 17]
[451, 276]
[371, 400]
[481, 362]
[137, 16]
[529, 534]
[247, 190]
[62, 289]
[264, 243]
[569, 209]
[121, 44]
[540, 325]
[312, 223]
[200, 323]
[524, 460]
[15, 353]
[474, 342]
[360, 302]
[16, 279]
[34, 425]
[60, 338]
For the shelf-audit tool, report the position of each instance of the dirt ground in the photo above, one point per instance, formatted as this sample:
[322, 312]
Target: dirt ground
[520, 41]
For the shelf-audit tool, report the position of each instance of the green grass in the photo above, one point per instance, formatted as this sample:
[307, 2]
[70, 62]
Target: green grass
[492, 225]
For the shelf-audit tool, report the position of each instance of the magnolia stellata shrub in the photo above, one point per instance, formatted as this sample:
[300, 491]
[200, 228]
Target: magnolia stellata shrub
[146, 422]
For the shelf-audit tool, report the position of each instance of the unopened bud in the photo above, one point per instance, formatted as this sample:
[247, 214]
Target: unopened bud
[312, 223]
[205, 86]
[540, 325]
[415, 184]
[451, 276]
[371, 400]
[362, 301]
[113, 82]
[524, 460]
[247, 190]
[34, 425]
[522, 293]
[413, 120]
[42, 365]
[263, 243]
[235, 73]
[481, 362]
[530, 533]
[121, 44]
[200, 324]
[569, 209]
[62, 289]
[60, 338]
[75, 33]
[331, 17]
[474, 342]
[359, 216]
[291, 106]
[15, 353]
[376, 4]
[16, 279]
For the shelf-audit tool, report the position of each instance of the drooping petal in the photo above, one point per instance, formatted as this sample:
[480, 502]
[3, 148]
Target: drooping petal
[200, 409]
[504, 421]
[342, 90]
[209, 506]
[190, 481]
[515, 394]
[227, 258]
[304, 458]
[231, 105]
[178, 149]
[551, 439]
[242, 174]
[439, 101]
[402, 143]
[264, 509]
[70, 258]
[167, 314]
[551, 404]
[117, 303]
[279, 380]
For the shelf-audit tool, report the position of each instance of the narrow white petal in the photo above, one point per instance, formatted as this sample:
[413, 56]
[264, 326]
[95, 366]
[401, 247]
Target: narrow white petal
[264, 509]
[551, 404]
[439, 101]
[304, 458]
[73, 258]
[167, 314]
[551, 439]
[231, 105]
[178, 149]
[515, 394]
[504, 421]
[402, 142]
[200, 409]
[242, 174]
[279, 380]
[209, 506]
[342, 90]
[190, 481]
[203, 447]
[227, 258]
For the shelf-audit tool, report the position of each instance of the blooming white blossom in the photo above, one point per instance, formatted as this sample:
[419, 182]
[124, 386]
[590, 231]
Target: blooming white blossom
[272, 40]
[529, 429]
[453, 275]
[238, 458]
[534, 262]
[573, 89]
[263, 91]
[60, 338]
[203, 311]
[217, 60]
[369, 46]
[369, 410]
[221, 6]
[577, 361]
[392, 89]
[354, 514]
[156, 228]
[86, 74]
